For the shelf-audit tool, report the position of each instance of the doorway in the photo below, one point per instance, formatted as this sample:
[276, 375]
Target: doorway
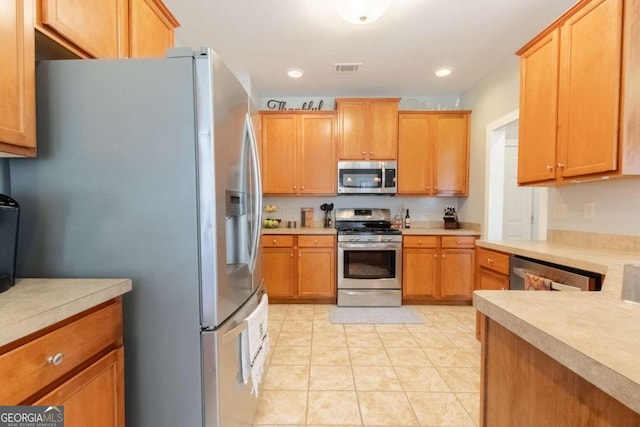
[511, 212]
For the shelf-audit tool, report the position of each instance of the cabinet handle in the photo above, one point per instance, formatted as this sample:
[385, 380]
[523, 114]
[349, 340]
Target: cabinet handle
[56, 359]
[550, 168]
[561, 165]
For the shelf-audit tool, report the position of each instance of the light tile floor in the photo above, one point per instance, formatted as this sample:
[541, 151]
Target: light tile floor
[321, 374]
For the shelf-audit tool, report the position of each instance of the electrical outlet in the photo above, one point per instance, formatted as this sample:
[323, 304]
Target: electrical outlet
[560, 211]
[589, 208]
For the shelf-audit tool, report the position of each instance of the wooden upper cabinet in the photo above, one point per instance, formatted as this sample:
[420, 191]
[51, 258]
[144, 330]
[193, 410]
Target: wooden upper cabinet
[90, 29]
[298, 153]
[451, 154]
[589, 95]
[433, 152]
[579, 101]
[151, 28]
[538, 110]
[279, 154]
[368, 128]
[17, 79]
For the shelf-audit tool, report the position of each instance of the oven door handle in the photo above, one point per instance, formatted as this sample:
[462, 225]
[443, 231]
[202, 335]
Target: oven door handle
[370, 246]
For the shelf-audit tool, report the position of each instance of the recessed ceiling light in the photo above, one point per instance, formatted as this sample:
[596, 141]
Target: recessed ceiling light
[441, 72]
[295, 73]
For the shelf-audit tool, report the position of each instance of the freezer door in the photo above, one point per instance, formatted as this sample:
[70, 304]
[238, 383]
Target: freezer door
[227, 401]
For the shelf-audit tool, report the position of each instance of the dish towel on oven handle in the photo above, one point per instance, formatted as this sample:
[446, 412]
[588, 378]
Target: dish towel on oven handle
[255, 345]
[536, 283]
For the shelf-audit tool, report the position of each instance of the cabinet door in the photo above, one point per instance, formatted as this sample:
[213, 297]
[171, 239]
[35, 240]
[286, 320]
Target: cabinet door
[151, 28]
[538, 110]
[98, 28]
[17, 79]
[456, 273]
[487, 280]
[278, 270]
[95, 396]
[382, 132]
[316, 272]
[279, 154]
[414, 154]
[351, 124]
[317, 154]
[451, 154]
[589, 97]
[419, 272]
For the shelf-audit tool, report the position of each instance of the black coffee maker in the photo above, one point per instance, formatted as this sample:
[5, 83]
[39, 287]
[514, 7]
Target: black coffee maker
[9, 218]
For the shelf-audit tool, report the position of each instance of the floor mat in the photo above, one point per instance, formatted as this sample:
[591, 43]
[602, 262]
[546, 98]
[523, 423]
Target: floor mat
[374, 315]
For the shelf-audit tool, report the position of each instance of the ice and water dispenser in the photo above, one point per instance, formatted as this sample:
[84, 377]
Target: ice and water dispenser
[9, 218]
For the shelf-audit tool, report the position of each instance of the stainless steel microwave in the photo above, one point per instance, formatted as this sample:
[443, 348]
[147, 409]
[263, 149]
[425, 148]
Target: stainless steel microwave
[367, 177]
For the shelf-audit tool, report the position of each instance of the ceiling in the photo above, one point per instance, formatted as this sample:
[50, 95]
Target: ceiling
[261, 39]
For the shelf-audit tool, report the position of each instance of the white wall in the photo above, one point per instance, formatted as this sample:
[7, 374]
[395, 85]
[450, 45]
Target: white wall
[495, 96]
[617, 207]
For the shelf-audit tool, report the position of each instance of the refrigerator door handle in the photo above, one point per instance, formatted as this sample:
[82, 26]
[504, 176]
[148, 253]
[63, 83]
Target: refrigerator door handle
[256, 193]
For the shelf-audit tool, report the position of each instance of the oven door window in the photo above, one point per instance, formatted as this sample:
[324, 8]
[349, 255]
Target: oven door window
[361, 178]
[379, 264]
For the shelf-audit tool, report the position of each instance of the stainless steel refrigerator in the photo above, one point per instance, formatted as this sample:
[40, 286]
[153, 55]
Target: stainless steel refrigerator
[148, 169]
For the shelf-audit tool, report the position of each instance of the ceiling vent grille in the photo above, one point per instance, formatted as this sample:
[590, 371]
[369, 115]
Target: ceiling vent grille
[347, 67]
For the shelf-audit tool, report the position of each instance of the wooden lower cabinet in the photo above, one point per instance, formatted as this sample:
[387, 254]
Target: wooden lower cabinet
[93, 396]
[78, 363]
[522, 386]
[299, 268]
[492, 273]
[438, 269]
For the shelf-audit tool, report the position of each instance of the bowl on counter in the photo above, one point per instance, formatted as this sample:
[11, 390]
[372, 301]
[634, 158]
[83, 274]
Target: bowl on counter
[271, 223]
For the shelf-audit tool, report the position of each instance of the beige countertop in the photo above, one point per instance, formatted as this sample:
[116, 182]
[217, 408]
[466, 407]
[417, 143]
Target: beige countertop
[414, 231]
[34, 304]
[595, 334]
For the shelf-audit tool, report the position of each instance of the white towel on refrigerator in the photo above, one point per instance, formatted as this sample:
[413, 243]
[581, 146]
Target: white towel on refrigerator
[255, 344]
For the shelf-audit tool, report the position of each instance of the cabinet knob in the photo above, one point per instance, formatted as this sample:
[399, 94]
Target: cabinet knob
[315, 242]
[435, 188]
[275, 241]
[291, 254]
[370, 152]
[428, 187]
[294, 187]
[302, 187]
[364, 152]
[56, 359]
[550, 168]
[459, 242]
[560, 165]
[489, 260]
[420, 242]
[435, 255]
[444, 256]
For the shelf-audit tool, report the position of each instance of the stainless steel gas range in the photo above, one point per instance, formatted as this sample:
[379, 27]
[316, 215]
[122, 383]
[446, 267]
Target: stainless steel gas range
[369, 258]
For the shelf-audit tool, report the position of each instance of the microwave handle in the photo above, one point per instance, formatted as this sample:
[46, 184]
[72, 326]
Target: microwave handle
[384, 177]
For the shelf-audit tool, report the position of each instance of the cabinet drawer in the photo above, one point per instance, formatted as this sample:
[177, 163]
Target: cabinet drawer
[43, 360]
[458, 241]
[277, 241]
[492, 260]
[420, 241]
[316, 241]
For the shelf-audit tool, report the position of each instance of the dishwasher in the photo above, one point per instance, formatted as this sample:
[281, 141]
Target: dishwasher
[532, 274]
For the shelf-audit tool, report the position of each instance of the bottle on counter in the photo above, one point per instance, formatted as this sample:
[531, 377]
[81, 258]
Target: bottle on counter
[407, 220]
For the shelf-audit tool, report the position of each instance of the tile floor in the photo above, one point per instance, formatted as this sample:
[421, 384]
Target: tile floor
[321, 374]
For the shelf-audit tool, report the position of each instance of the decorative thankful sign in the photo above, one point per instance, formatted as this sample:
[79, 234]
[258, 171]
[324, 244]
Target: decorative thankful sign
[274, 104]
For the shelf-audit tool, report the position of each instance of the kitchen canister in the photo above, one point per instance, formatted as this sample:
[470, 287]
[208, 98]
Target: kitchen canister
[306, 217]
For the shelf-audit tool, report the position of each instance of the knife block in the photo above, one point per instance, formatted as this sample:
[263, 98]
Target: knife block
[451, 222]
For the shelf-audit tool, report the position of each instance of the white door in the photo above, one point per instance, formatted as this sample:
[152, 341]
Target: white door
[518, 201]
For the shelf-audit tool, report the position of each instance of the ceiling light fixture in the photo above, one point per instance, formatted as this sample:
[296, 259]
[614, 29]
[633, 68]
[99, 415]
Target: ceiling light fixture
[361, 12]
[442, 72]
[295, 73]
